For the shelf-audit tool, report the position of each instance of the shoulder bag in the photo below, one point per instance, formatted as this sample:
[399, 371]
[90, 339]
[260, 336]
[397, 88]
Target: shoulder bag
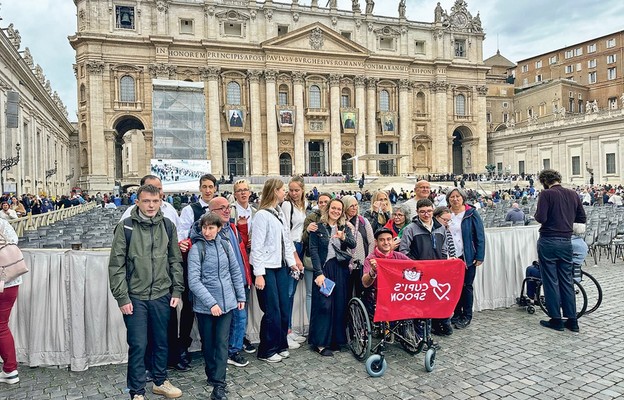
[12, 263]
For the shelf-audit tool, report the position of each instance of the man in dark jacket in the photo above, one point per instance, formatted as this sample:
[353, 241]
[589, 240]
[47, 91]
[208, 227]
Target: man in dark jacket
[146, 279]
[515, 214]
[558, 209]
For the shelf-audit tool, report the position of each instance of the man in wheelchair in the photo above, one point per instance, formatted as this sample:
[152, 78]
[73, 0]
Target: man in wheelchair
[384, 244]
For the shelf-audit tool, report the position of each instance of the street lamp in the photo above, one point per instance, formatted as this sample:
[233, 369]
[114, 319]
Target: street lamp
[68, 177]
[50, 173]
[7, 163]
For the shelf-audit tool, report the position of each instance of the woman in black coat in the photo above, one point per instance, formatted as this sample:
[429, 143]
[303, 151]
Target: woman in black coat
[328, 313]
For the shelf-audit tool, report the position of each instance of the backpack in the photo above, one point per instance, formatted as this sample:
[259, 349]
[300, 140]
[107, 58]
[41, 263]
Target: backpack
[128, 227]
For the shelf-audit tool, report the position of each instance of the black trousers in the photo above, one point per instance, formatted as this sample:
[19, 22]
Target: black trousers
[214, 333]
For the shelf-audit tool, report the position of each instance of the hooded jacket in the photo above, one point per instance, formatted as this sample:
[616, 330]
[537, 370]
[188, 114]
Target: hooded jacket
[214, 278]
[153, 266]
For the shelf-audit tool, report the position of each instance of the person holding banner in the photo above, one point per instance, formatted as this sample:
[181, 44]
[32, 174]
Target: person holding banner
[384, 249]
[469, 241]
[328, 245]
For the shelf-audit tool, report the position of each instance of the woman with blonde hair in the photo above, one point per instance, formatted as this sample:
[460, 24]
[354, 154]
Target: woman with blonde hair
[328, 315]
[364, 239]
[294, 208]
[272, 257]
[379, 213]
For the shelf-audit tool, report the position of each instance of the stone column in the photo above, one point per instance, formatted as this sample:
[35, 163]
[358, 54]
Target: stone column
[405, 142]
[211, 74]
[371, 123]
[95, 70]
[440, 143]
[299, 156]
[272, 145]
[479, 153]
[109, 136]
[360, 137]
[225, 158]
[148, 139]
[246, 157]
[334, 113]
[307, 156]
[256, 121]
[327, 152]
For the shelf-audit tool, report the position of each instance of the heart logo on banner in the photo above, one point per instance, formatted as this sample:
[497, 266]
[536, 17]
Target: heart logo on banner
[441, 290]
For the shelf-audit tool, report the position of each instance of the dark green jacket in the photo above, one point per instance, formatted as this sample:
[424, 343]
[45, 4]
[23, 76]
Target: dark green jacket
[154, 263]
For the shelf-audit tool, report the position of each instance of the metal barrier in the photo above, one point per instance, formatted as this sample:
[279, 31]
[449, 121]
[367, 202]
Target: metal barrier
[34, 222]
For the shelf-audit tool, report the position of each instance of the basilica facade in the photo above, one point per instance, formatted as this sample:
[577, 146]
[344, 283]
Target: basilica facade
[267, 88]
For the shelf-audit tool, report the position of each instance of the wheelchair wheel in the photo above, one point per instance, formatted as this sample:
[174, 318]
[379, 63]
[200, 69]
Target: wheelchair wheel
[581, 299]
[358, 329]
[530, 309]
[376, 366]
[430, 359]
[409, 338]
[593, 291]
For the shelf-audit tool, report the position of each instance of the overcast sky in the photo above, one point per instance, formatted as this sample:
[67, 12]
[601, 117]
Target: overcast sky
[520, 29]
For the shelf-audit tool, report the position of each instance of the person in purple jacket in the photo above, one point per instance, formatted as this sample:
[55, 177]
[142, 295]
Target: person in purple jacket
[558, 209]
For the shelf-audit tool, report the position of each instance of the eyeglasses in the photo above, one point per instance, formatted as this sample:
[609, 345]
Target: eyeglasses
[242, 191]
[222, 209]
[425, 211]
[447, 220]
[399, 215]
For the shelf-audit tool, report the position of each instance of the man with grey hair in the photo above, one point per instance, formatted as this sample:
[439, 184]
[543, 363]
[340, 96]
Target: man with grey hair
[515, 214]
[422, 190]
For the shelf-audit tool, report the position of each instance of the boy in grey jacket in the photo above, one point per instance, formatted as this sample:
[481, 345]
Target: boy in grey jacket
[216, 282]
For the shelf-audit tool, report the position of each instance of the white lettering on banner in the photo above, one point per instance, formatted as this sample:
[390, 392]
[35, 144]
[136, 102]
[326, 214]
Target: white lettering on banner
[418, 291]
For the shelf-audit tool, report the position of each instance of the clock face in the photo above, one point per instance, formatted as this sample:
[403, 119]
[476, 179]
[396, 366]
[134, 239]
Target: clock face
[460, 20]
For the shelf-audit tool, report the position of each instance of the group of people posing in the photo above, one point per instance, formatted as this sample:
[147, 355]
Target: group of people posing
[216, 249]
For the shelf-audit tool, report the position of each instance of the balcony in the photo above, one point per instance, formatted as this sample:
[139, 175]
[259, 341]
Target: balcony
[463, 118]
[317, 112]
[128, 105]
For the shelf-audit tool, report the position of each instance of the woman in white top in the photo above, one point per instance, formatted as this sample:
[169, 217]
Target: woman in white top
[294, 208]
[272, 257]
[8, 374]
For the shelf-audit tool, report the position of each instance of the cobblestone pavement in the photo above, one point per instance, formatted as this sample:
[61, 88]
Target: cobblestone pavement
[503, 354]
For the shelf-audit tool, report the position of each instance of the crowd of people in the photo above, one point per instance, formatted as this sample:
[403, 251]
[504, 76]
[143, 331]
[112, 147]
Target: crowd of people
[205, 258]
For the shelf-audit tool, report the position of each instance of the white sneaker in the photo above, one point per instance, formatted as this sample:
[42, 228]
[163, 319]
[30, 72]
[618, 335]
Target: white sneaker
[292, 344]
[296, 337]
[9, 377]
[138, 397]
[273, 359]
[284, 354]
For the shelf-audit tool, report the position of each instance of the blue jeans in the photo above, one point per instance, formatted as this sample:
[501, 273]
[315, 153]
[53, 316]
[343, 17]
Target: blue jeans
[273, 301]
[292, 285]
[156, 314]
[555, 258]
[238, 327]
[214, 336]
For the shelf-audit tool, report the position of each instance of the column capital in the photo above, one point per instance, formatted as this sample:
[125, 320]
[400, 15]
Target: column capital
[360, 80]
[209, 73]
[254, 75]
[109, 135]
[334, 79]
[148, 134]
[95, 67]
[405, 84]
[298, 77]
[481, 90]
[161, 69]
[371, 83]
[438, 86]
[270, 75]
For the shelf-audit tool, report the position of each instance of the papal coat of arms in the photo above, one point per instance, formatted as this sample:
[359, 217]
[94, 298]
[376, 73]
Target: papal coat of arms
[316, 38]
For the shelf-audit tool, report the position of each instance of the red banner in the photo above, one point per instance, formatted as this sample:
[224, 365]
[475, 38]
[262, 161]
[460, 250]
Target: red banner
[418, 289]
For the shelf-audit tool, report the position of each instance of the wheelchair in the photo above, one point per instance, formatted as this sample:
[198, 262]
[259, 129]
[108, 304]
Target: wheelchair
[412, 335]
[585, 303]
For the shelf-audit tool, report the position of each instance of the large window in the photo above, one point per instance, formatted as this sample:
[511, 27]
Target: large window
[460, 105]
[546, 163]
[124, 17]
[591, 63]
[233, 93]
[283, 95]
[576, 165]
[592, 77]
[610, 43]
[611, 58]
[315, 97]
[610, 158]
[611, 73]
[384, 101]
[126, 92]
[345, 98]
[591, 48]
[538, 64]
[460, 48]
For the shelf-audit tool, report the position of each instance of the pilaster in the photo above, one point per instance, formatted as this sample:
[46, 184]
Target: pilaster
[371, 122]
[272, 145]
[336, 146]
[253, 77]
[299, 156]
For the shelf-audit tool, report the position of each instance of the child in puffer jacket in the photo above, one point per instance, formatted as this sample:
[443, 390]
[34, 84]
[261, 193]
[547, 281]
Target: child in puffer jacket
[216, 283]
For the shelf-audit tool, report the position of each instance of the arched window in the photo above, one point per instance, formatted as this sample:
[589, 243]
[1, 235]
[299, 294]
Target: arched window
[83, 93]
[460, 105]
[126, 89]
[283, 95]
[315, 97]
[345, 98]
[384, 101]
[233, 94]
